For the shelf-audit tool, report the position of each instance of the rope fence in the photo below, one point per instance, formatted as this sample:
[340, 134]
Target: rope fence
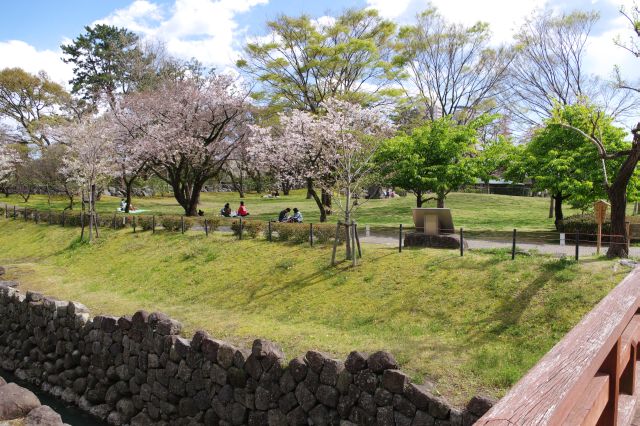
[350, 235]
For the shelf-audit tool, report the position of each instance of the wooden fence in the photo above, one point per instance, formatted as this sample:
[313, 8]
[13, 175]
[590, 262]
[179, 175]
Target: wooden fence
[590, 377]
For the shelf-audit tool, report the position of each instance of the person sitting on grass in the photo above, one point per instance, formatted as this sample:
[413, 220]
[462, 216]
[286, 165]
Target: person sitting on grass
[123, 205]
[226, 210]
[284, 215]
[297, 216]
[242, 210]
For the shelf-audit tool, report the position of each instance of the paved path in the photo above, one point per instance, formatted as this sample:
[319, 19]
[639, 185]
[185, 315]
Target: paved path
[557, 249]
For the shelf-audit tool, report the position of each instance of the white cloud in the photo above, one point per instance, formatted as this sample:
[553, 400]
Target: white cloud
[390, 8]
[203, 29]
[503, 16]
[17, 53]
[602, 54]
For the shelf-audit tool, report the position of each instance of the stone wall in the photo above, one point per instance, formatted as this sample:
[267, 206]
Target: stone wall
[138, 370]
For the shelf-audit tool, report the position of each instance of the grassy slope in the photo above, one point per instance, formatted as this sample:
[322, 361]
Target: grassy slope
[472, 324]
[472, 211]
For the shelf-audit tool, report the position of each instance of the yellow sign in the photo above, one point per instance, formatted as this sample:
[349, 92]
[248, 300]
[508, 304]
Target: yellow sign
[600, 210]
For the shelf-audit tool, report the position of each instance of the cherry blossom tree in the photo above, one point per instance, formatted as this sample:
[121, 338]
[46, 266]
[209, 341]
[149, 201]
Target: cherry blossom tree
[129, 157]
[190, 129]
[332, 151]
[9, 158]
[89, 159]
[351, 136]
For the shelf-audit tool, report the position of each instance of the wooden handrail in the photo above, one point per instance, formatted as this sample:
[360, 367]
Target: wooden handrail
[589, 377]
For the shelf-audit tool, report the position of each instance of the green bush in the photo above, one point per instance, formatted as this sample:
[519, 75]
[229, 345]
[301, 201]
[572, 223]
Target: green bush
[250, 228]
[145, 222]
[213, 222]
[325, 232]
[586, 225]
[174, 223]
[292, 232]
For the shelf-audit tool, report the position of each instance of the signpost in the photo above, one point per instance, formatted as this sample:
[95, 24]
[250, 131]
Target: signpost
[600, 210]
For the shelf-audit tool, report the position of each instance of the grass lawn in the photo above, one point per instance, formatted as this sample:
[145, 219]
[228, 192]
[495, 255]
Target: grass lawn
[472, 324]
[474, 212]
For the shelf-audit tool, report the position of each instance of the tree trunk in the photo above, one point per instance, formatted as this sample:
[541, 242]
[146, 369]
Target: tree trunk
[440, 202]
[285, 188]
[326, 202]
[347, 221]
[635, 208]
[316, 198]
[419, 200]
[558, 212]
[127, 189]
[618, 197]
[310, 189]
[239, 186]
[551, 207]
[488, 187]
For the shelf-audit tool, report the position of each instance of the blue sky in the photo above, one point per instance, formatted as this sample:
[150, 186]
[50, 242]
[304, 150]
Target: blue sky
[214, 31]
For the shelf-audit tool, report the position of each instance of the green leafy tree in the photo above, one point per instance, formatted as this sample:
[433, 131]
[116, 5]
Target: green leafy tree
[33, 102]
[306, 62]
[434, 159]
[494, 158]
[566, 163]
[107, 60]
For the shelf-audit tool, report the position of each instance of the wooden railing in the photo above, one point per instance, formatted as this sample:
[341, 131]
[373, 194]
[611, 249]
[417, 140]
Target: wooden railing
[590, 377]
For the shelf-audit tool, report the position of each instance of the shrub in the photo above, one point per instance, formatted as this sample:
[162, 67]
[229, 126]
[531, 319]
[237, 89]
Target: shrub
[292, 232]
[145, 222]
[174, 223]
[213, 222]
[250, 228]
[325, 232]
[586, 225]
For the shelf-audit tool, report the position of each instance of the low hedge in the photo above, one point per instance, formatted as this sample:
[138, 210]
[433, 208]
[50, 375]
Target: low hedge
[291, 232]
[174, 223]
[586, 225]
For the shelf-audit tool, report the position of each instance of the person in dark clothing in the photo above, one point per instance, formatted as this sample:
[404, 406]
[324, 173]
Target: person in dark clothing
[226, 210]
[284, 215]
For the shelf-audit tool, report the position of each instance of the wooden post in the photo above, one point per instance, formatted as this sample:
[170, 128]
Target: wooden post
[182, 223]
[6, 211]
[63, 218]
[206, 230]
[153, 224]
[461, 242]
[15, 213]
[35, 216]
[628, 231]
[311, 234]
[81, 226]
[240, 233]
[133, 223]
[577, 245]
[358, 242]
[352, 232]
[335, 244]
[400, 240]
[513, 246]
[599, 243]
[49, 219]
[611, 366]
[269, 235]
[24, 213]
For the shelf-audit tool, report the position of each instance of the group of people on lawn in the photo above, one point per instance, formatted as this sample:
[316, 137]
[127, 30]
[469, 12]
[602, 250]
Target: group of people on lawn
[282, 217]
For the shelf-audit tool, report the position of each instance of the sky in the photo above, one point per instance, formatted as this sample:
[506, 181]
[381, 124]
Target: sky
[214, 31]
